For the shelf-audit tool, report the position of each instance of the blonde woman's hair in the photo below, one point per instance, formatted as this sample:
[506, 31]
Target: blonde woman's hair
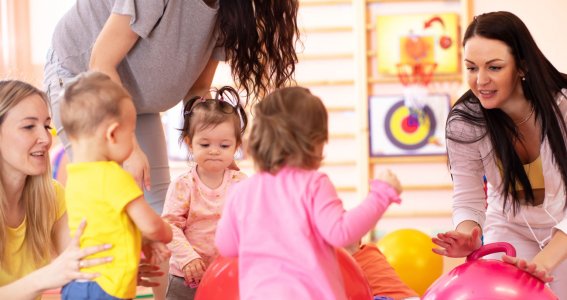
[38, 196]
[88, 100]
[290, 125]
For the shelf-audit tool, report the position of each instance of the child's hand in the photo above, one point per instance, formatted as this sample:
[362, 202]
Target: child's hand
[155, 252]
[390, 178]
[194, 271]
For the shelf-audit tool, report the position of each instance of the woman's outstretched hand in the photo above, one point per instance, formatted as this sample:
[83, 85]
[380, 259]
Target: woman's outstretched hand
[538, 271]
[67, 266]
[457, 244]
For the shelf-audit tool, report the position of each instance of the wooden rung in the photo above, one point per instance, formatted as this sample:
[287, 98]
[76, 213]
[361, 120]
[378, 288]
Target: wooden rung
[327, 29]
[348, 189]
[324, 56]
[436, 77]
[409, 159]
[323, 2]
[417, 214]
[309, 83]
[427, 187]
[340, 108]
[347, 136]
[413, 188]
[400, 1]
[338, 163]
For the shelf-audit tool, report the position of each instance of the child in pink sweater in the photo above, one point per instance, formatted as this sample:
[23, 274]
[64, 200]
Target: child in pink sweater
[212, 130]
[284, 222]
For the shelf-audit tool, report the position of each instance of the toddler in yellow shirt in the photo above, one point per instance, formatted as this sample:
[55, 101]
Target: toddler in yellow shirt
[99, 118]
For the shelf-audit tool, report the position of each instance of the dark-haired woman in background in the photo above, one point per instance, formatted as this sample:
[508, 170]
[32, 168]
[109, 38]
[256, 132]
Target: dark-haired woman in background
[165, 51]
[509, 127]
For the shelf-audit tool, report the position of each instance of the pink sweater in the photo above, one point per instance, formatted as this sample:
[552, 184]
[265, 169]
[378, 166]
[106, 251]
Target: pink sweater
[284, 229]
[199, 207]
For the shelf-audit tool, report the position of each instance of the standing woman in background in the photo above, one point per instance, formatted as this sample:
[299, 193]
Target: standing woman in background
[509, 127]
[165, 51]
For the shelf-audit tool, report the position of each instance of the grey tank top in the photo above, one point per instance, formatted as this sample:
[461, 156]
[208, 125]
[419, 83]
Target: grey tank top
[177, 38]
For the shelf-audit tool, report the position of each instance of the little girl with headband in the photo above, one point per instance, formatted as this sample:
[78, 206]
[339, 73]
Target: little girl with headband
[212, 131]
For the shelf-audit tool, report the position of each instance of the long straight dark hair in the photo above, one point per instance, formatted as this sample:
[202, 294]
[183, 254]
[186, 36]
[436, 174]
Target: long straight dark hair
[541, 85]
[259, 37]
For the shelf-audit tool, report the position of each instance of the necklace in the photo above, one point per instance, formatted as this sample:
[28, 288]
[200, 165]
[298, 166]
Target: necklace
[526, 118]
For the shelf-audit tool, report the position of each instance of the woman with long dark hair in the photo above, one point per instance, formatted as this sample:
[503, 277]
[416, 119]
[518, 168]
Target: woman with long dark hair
[510, 128]
[166, 51]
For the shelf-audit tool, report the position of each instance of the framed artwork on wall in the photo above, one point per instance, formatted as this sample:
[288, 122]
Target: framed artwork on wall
[399, 127]
[430, 41]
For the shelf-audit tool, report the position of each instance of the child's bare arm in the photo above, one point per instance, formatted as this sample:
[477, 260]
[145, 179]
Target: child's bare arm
[150, 224]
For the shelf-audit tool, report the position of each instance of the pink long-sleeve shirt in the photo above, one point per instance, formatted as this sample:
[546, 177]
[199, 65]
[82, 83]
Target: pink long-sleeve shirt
[198, 208]
[284, 229]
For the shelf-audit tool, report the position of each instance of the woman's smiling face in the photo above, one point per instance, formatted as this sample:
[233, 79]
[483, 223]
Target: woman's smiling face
[492, 73]
[25, 138]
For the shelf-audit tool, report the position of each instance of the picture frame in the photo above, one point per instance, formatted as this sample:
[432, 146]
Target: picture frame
[418, 38]
[403, 127]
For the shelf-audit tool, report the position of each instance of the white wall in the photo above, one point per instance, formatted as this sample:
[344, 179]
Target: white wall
[546, 20]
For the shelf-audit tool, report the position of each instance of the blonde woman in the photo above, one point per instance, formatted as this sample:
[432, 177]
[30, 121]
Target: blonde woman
[33, 227]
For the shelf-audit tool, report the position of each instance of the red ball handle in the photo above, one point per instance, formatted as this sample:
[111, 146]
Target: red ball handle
[492, 248]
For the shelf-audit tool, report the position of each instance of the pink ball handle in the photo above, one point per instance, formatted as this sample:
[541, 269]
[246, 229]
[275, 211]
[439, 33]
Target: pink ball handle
[492, 248]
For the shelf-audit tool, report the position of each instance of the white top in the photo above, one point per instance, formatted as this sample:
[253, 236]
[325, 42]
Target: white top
[468, 164]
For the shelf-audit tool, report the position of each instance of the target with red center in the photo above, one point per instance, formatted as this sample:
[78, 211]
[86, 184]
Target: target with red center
[409, 128]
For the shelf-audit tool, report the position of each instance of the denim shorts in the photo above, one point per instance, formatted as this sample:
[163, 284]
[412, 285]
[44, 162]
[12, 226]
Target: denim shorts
[84, 290]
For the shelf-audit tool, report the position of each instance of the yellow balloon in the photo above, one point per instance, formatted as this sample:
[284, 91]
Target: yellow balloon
[409, 252]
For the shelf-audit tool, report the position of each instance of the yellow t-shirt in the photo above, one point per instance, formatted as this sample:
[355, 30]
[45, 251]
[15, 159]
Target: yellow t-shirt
[99, 192]
[19, 260]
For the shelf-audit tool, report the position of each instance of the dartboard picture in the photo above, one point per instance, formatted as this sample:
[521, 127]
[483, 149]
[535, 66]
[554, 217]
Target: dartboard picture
[399, 128]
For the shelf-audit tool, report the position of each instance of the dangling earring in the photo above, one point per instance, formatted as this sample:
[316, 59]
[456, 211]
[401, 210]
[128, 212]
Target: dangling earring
[523, 78]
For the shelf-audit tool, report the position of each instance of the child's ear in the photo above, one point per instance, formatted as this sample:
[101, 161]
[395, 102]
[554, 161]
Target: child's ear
[111, 132]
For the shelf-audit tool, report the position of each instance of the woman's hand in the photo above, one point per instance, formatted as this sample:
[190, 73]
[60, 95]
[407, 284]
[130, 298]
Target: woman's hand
[194, 271]
[146, 272]
[66, 267]
[457, 244]
[537, 271]
[154, 254]
[137, 165]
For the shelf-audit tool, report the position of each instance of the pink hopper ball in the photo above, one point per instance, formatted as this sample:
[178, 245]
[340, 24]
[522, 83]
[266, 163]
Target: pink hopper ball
[488, 279]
